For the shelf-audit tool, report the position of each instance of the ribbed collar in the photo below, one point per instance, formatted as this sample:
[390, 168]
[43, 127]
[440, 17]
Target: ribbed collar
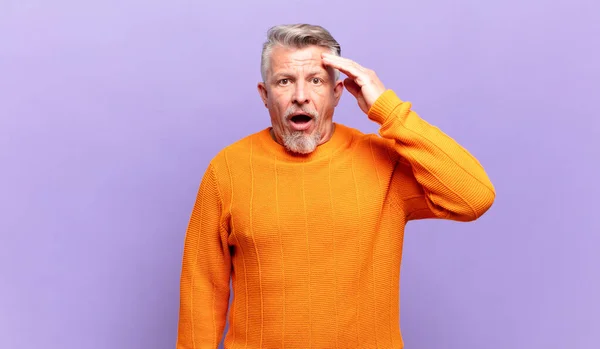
[340, 140]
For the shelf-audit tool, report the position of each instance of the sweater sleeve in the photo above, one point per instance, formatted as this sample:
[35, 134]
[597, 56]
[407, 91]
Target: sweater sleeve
[204, 284]
[450, 182]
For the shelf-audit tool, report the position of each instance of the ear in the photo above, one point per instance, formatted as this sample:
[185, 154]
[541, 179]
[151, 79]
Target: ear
[337, 91]
[262, 91]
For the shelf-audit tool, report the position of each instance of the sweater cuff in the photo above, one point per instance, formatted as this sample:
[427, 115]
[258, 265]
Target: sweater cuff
[384, 106]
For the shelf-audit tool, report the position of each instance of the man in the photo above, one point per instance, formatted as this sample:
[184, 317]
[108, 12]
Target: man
[307, 216]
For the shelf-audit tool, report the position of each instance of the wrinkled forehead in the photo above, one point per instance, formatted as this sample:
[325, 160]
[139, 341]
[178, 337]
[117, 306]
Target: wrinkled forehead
[298, 60]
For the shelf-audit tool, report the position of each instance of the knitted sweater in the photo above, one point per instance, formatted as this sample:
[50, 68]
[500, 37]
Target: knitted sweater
[313, 244]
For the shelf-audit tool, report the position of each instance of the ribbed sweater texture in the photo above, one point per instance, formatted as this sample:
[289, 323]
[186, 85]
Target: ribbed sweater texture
[313, 244]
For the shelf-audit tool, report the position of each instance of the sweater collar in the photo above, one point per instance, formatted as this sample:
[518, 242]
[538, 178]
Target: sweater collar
[339, 140]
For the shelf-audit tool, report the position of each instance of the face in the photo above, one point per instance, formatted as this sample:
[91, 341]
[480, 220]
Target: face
[301, 95]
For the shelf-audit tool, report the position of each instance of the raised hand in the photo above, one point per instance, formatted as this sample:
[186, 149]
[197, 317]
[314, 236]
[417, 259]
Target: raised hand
[362, 83]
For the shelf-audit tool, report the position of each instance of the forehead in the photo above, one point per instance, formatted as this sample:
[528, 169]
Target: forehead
[283, 58]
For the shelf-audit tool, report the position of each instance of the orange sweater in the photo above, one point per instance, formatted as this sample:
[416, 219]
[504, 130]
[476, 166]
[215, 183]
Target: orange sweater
[313, 244]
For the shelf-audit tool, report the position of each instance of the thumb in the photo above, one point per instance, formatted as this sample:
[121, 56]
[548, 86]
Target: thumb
[352, 87]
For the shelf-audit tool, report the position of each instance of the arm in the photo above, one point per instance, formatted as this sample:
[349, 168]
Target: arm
[452, 183]
[204, 287]
[448, 181]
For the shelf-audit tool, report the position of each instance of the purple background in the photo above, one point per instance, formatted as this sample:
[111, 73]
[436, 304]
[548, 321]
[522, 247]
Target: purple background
[111, 110]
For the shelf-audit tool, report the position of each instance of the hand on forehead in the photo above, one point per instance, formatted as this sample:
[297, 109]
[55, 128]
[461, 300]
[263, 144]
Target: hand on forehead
[362, 83]
[345, 65]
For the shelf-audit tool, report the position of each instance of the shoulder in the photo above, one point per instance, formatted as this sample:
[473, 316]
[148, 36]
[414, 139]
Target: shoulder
[234, 153]
[379, 147]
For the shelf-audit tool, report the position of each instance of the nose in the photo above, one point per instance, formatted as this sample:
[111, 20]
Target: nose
[301, 93]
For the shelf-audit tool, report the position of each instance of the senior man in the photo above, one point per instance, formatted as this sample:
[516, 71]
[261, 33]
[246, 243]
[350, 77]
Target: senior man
[306, 217]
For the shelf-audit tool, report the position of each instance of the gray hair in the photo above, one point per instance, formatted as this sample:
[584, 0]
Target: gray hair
[297, 36]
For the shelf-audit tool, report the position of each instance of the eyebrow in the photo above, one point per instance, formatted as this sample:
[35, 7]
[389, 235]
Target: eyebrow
[309, 73]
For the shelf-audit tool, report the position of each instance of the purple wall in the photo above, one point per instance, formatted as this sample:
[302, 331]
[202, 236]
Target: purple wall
[110, 111]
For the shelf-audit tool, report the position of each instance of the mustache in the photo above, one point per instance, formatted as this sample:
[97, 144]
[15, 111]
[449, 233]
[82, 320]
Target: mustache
[305, 110]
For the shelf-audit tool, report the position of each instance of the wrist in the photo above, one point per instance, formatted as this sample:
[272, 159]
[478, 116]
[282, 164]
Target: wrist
[384, 106]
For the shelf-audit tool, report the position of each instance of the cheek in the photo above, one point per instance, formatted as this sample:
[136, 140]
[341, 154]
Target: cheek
[319, 92]
[324, 99]
[279, 102]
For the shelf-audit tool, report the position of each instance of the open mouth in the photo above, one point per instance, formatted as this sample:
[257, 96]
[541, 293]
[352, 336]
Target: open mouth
[301, 119]
[301, 122]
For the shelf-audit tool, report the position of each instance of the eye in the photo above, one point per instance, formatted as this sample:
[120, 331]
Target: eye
[284, 82]
[316, 81]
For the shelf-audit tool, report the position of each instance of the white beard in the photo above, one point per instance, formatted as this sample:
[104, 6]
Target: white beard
[298, 142]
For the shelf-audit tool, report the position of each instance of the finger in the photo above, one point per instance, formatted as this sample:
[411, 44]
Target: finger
[352, 87]
[346, 66]
[340, 59]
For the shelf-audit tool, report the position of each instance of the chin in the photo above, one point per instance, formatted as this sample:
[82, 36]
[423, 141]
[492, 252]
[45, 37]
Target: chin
[301, 142]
